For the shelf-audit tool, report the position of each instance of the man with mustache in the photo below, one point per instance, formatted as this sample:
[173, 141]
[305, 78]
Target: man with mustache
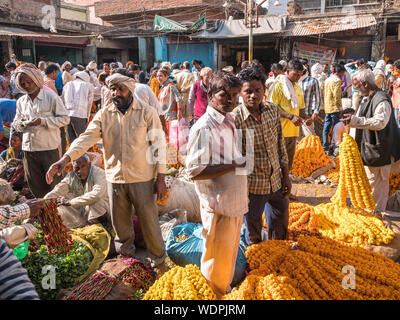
[212, 159]
[131, 130]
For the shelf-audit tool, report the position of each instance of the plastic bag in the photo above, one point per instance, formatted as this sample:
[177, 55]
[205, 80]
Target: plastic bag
[189, 251]
[21, 250]
[170, 220]
[182, 195]
[179, 134]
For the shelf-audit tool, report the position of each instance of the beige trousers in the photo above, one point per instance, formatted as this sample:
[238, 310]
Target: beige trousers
[221, 236]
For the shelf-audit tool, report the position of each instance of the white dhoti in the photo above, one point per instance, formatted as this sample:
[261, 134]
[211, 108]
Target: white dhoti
[221, 236]
[379, 179]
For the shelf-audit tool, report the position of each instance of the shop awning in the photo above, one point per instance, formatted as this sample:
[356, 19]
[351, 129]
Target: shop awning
[328, 25]
[237, 28]
[60, 41]
[8, 31]
[42, 38]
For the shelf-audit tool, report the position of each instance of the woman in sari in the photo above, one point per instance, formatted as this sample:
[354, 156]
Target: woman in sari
[170, 99]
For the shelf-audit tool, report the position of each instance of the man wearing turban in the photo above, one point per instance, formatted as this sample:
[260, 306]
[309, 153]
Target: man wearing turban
[135, 165]
[40, 114]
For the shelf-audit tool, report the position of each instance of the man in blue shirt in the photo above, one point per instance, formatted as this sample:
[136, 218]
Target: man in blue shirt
[7, 113]
[59, 83]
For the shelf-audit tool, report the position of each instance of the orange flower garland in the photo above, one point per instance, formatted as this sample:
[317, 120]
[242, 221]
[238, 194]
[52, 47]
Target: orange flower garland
[312, 269]
[309, 156]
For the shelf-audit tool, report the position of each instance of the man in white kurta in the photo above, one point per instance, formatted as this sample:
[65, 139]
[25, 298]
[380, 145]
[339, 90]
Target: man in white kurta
[82, 198]
[212, 162]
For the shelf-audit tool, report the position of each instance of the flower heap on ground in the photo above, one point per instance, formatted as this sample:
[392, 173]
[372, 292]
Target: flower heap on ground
[337, 223]
[97, 287]
[309, 156]
[181, 283]
[394, 183]
[334, 174]
[313, 269]
[353, 178]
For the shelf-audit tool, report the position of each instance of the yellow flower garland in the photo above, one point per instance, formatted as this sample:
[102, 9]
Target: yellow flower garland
[353, 179]
[309, 156]
[312, 269]
[181, 283]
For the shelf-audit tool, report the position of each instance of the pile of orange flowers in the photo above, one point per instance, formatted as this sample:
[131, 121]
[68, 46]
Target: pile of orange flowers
[334, 174]
[394, 183]
[309, 156]
[315, 269]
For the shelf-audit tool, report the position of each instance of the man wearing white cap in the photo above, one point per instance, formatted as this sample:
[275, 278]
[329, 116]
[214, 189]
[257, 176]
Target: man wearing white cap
[134, 151]
[67, 76]
[78, 99]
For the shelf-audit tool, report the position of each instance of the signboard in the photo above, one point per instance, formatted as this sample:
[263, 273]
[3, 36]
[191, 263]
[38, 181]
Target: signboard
[164, 24]
[199, 24]
[314, 53]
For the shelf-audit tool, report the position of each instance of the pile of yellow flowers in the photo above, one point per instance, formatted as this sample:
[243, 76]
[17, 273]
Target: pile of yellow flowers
[313, 269]
[353, 179]
[394, 183]
[181, 283]
[302, 220]
[338, 223]
[309, 156]
[334, 174]
[347, 225]
[302, 217]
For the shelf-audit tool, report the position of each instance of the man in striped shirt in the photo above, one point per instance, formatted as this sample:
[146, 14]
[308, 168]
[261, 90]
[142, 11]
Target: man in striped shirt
[14, 281]
[269, 182]
[332, 102]
[312, 98]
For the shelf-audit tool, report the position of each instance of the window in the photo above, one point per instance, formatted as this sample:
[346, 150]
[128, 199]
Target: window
[336, 3]
[309, 4]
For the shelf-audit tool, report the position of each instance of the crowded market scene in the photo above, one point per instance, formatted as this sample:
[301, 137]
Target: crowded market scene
[253, 173]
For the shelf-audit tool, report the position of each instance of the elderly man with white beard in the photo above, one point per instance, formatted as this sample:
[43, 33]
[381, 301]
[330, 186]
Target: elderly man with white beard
[132, 133]
[376, 134]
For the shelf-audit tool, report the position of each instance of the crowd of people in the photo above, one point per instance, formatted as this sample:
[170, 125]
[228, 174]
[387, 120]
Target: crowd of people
[51, 115]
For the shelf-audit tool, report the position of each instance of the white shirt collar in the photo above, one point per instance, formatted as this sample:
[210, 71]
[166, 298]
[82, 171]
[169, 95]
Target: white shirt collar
[217, 116]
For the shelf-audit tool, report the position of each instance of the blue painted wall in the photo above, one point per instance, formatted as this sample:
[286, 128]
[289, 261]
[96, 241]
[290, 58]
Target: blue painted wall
[160, 49]
[189, 51]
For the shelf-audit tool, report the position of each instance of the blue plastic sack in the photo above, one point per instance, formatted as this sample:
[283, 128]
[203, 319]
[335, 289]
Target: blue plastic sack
[190, 250]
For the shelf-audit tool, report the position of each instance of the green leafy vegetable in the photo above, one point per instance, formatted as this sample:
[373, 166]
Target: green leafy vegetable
[68, 267]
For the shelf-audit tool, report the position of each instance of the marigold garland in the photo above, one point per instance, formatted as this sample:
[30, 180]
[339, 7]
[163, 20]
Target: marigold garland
[181, 283]
[338, 223]
[334, 174]
[394, 183]
[353, 178]
[309, 156]
[347, 225]
[312, 270]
